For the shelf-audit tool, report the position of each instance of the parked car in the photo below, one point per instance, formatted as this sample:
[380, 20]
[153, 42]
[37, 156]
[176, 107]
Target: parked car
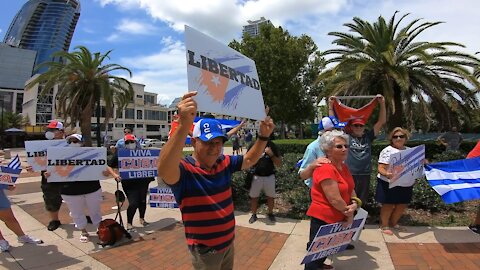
[152, 143]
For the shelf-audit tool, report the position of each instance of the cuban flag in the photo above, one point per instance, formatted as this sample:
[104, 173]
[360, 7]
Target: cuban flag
[10, 173]
[455, 181]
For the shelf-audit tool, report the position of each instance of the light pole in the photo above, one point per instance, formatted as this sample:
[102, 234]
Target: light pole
[1, 144]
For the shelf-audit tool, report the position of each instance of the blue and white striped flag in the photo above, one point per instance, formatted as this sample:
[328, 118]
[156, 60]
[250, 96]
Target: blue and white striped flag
[455, 181]
[15, 163]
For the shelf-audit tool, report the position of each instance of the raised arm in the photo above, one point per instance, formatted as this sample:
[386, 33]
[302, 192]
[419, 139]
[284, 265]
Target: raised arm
[382, 117]
[235, 129]
[255, 153]
[171, 154]
[331, 100]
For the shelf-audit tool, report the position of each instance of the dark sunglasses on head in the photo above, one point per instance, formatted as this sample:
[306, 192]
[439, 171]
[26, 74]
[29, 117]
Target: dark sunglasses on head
[340, 146]
[398, 137]
[129, 142]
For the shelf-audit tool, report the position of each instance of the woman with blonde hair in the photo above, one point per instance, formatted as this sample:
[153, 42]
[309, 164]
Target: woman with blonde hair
[394, 200]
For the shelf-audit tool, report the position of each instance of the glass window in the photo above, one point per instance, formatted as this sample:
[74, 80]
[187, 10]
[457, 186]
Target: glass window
[153, 127]
[119, 125]
[139, 125]
[139, 114]
[129, 113]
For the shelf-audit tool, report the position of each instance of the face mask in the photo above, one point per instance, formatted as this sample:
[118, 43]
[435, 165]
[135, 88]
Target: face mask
[75, 145]
[131, 146]
[49, 135]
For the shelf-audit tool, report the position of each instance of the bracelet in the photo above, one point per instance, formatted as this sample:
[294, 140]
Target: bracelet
[357, 200]
[263, 138]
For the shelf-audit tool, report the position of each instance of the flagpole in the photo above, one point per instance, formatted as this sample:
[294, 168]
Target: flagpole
[353, 97]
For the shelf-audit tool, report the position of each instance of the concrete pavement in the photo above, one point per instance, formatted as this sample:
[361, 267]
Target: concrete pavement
[258, 246]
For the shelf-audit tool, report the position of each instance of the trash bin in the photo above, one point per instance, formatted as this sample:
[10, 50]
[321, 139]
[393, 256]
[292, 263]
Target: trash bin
[7, 153]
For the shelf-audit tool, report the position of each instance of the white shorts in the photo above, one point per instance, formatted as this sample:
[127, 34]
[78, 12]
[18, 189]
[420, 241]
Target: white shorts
[265, 183]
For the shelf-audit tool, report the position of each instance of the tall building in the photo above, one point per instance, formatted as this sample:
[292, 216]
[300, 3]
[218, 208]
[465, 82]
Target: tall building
[15, 69]
[253, 27]
[45, 26]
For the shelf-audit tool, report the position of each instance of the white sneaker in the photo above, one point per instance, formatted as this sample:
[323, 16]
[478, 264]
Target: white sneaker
[4, 245]
[26, 239]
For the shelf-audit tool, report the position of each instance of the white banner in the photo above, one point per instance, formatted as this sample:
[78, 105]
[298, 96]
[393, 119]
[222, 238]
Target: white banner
[37, 152]
[226, 80]
[406, 166]
[71, 164]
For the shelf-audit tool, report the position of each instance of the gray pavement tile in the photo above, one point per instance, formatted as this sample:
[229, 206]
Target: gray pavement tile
[84, 262]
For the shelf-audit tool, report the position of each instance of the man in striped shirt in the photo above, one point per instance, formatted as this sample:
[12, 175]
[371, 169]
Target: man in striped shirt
[201, 184]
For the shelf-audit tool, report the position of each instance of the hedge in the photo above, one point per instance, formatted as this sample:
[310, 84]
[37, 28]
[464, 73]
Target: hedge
[292, 190]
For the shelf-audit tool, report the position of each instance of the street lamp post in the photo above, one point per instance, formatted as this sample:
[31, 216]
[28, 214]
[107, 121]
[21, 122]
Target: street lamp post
[3, 104]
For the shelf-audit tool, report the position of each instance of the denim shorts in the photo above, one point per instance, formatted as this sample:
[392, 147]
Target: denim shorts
[4, 201]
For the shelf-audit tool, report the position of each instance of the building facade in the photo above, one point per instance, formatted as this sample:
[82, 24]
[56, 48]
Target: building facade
[147, 118]
[253, 27]
[45, 26]
[15, 69]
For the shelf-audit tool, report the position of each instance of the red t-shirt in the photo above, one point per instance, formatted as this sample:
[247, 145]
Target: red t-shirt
[475, 151]
[320, 207]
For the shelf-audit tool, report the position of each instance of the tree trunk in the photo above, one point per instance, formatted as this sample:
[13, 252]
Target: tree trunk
[397, 119]
[86, 124]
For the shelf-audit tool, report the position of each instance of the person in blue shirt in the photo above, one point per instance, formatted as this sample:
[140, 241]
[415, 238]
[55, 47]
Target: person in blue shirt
[314, 156]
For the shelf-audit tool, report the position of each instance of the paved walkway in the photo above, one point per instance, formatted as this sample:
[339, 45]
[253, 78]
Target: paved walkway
[257, 246]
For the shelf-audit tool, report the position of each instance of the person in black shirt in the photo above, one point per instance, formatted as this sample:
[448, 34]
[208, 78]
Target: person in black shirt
[264, 179]
[135, 189]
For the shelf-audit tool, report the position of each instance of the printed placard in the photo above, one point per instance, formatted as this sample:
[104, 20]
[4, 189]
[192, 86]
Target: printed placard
[226, 81]
[37, 152]
[407, 166]
[162, 197]
[332, 239]
[140, 163]
[9, 176]
[71, 164]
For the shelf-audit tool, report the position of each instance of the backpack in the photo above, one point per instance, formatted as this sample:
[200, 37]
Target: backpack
[109, 232]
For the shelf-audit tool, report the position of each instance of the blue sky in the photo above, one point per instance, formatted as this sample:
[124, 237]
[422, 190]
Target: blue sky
[147, 35]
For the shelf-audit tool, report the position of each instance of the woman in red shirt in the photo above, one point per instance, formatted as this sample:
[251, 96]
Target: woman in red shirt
[332, 190]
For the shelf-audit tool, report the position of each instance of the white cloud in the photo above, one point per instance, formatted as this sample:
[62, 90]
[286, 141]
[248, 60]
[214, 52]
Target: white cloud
[1, 30]
[164, 72]
[135, 27]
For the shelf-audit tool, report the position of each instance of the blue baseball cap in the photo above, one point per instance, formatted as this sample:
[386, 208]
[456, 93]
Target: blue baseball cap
[207, 129]
[329, 123]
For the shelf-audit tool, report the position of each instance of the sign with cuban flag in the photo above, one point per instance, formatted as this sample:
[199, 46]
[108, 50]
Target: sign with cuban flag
[406, 166]
[456, 180]
[37, 152]
[10, 173]
[138, 163]
[226, 80]
[71, 164]
[162, 197]
[334, 238]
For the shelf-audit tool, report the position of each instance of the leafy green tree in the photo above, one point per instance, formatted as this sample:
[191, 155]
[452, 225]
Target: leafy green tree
[82, 81]
[287, 67]
[14, 120]
[383, 58]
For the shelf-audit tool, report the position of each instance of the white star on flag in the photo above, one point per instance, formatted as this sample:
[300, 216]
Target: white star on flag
[215, 80]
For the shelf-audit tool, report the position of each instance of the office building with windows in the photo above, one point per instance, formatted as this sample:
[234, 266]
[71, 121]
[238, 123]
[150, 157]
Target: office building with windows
[45, 26]
[147, 118]
[15, 69]
[253, 27]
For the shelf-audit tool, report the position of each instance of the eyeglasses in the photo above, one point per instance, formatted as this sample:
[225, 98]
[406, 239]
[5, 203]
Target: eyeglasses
[129, 142]
[358, 125]
[127, 132]
[398, 137]
[73, 141]
[340, 146]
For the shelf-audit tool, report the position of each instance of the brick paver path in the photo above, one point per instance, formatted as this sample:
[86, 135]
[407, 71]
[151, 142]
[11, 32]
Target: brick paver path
[37, 210]
[418, 256]
[167, 249]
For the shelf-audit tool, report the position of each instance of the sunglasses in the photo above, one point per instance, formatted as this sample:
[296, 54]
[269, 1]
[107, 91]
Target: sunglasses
[340, 146]
[129, 142]
[358, 125]
[73, 141]
[398, 137]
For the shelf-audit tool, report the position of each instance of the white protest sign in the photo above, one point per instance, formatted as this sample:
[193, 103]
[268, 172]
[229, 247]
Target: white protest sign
[140, 163]
[37, 152]
[70, 164]
[406, 166]
[332, 239]
[227, 81]
[162, 197]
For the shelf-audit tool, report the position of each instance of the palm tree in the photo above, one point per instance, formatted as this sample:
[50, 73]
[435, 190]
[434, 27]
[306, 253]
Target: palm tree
[385, 59]
[82, 81]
